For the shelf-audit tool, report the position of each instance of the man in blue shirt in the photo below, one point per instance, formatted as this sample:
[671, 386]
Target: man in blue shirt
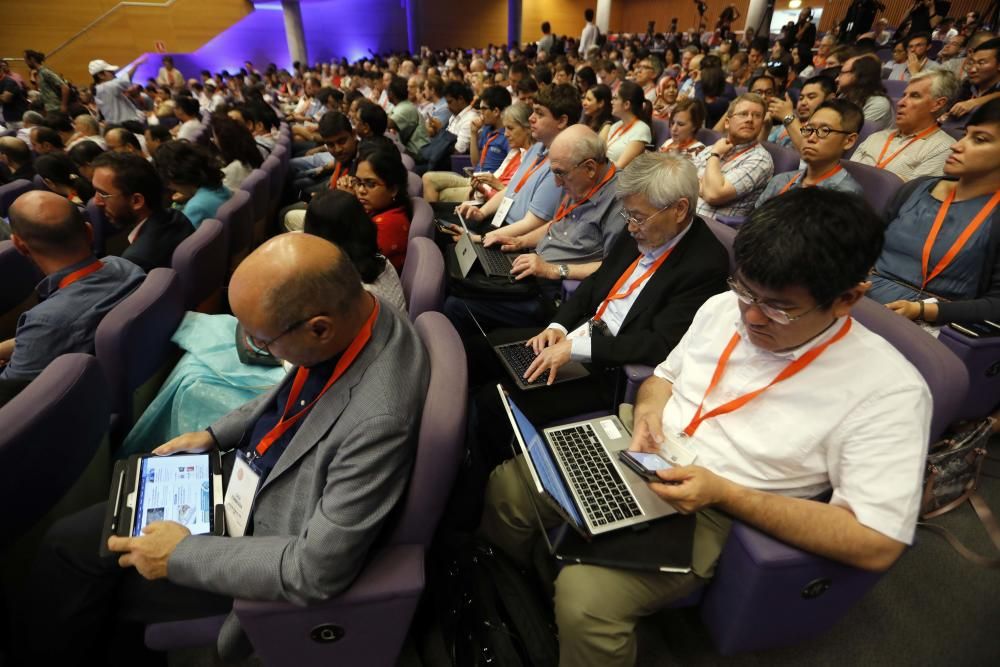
[78, 289]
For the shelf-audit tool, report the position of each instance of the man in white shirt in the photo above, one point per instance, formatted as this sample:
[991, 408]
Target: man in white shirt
[459, 97]
[109, 91]
[916, 59]
[753, 446]
[588, 37]
[188, 112]
[86, 129]
[917, 147]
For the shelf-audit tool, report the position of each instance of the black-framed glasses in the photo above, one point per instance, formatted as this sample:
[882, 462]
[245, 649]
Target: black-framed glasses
[560, 174]
[369, 183]
[630, 219]
[772, 313]
[263, 347]
[822, 131]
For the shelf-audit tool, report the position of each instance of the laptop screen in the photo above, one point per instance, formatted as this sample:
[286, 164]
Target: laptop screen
[545, 466]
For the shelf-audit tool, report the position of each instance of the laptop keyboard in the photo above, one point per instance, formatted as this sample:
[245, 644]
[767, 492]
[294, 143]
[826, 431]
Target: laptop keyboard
[605, 496]
[520, 356]
[495, 261]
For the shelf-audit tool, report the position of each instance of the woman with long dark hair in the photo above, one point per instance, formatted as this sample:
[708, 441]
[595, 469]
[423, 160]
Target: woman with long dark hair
[627, 138]
[195, 177]
[61, 177]
[597, 108]
[380, 186]
[239, 151]
[860, 81]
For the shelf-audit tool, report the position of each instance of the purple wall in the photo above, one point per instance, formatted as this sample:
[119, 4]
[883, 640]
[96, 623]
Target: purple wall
[334, 29]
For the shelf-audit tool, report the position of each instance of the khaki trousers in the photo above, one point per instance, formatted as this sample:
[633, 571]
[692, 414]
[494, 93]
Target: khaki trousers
[596, 608]
[449, 185]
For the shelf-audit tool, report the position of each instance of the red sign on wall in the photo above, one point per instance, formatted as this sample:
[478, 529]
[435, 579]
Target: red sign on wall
[160, 47]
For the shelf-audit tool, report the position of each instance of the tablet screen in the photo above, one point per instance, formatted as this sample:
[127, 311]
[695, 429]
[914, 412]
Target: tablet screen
[175, 488]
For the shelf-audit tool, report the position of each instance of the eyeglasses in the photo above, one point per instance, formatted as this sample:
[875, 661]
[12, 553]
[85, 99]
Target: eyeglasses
[561, 174]
[369, 183]
[821, 132]
[263, 347]
[630, 219]
[105, 196]
[774, 314]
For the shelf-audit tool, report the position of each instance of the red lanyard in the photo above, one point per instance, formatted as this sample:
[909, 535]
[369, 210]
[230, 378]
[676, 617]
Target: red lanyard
[535, 166]
[614, 295]
[959, 243]
[508, 172]
[71, 278]
[795, 179]
[565, 210]
[881, 165]
[736, 155]
[486, 147]
[679, 147]
[335, 177]
[622, 129]
[350, 354]
[791, 369]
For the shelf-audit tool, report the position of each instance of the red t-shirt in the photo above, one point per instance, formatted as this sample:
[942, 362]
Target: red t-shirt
[393, 233]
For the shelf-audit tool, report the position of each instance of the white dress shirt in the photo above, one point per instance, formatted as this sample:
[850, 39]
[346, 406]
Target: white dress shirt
[460, 126]
[857, 419]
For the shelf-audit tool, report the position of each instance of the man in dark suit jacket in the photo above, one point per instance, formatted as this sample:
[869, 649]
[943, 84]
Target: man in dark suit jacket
[633, 309]
[328, 483]
[130, 193]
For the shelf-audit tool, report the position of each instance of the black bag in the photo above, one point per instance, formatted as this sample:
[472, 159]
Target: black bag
[954, 466]
[435, 155]
[489, 612]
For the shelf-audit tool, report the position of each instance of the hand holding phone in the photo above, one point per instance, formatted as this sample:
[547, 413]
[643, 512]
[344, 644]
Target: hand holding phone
[645, 464]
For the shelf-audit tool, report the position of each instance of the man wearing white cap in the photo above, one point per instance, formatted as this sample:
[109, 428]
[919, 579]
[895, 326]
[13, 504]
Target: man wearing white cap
[109, 91]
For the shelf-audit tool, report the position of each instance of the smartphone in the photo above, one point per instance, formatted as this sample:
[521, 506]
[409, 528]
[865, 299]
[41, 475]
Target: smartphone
[447, 227]
[644, 464]
[469, 171]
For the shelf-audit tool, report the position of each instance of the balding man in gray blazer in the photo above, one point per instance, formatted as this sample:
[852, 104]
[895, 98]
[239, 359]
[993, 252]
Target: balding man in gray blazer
[327, 485]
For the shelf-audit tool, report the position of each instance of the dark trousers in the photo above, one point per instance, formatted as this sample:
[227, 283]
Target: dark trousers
[82, 608]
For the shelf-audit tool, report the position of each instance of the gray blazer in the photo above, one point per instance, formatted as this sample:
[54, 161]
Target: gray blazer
[328, 496]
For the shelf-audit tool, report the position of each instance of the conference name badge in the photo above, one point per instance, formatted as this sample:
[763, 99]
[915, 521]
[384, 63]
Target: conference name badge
[240, 493]
[501, 215]
[678, 449]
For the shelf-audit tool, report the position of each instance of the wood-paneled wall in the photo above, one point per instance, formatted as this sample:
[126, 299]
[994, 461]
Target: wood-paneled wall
[896, 10]
[462, 23]
[119, 39]
[565, 17]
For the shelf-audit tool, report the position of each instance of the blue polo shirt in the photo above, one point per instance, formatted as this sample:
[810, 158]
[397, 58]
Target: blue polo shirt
[498, 149]
[539, 194]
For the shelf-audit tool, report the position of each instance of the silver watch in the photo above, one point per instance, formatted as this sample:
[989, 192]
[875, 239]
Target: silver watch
[788, 120]
[563, 271]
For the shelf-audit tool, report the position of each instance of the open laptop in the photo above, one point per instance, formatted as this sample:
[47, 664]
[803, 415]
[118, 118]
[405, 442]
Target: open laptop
[494, 261]
[612, 517]
[516, 357]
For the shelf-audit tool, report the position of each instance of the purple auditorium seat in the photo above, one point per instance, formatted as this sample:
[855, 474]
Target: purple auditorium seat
[707, 136]
[11, 191]
[867, 130]
[894, 88]
[407, 161]
[133, 342]
[275, 184]
[366, 624]
[258, 184]
[880, 185]
[785, 159]
[981, 357]
[19, 276]
[40, 183]
[414, 184]
[422, 223]
[767, 594]
[200, 263]
[236, 216]
[661, 131]
[62, 415]
[569, 286]
[423, 277]
[459, 161]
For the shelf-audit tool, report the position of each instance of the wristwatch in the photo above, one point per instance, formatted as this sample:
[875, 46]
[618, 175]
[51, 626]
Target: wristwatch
[788, 120]
[563, 271]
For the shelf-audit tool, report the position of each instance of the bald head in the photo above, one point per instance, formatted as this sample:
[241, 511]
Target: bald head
[299, 280]
[48, 225]
[578, 143]
[14, 151]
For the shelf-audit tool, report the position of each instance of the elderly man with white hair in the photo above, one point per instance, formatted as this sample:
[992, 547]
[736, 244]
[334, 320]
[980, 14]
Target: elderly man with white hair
[87, 128]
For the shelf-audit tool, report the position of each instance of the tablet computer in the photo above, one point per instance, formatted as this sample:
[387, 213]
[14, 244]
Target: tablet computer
[185, 488]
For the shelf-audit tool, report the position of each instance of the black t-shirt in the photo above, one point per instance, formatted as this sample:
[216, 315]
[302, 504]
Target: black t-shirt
[13, 110]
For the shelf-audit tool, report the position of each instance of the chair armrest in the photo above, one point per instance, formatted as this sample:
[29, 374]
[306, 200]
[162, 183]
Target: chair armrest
[635, 375]
[981, 358]
[568, 287]
[460, 160]
[731, 220]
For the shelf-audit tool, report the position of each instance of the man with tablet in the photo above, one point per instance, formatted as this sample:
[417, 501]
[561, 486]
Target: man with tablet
[774, 397]
[314, 468]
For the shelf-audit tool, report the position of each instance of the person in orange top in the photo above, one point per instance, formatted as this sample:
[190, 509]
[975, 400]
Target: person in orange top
[380, 186]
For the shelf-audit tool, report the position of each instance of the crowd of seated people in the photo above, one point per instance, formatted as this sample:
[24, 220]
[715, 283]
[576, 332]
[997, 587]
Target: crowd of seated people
[569, 176]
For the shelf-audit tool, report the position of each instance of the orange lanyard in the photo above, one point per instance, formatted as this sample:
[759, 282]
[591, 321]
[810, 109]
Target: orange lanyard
[508, 172]
[791, 369]
[959, 243]
[622, 129]
[486, 147]
[795, 179]
[784, 133]
[680, 148]
[745, 150]
[614, 294]
[336, 177]
[882, 164]
[535, 166]
[350, 354]
[71, 278]
[565, 210]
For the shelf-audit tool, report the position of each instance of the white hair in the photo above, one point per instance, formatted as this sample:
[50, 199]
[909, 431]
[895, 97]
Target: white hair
[661, 179]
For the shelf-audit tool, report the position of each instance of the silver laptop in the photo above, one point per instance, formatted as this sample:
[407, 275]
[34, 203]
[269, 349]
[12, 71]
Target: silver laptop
[576, 468]
[492, 259]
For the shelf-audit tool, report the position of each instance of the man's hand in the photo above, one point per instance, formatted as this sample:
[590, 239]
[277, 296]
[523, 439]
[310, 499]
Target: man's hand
[433, 126]
[690, 488]
[347, 183]
[913, 63]
[908, 309]
[506, 243]
[548, 337]
[6, 350]
[149, 553]
[779, 108]
[722, 146]
[550, 359]
[488, 179]
[469, 211]
[531, 264]
[475, 125]
[959, 109]
[194, 442]
[647, 432]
